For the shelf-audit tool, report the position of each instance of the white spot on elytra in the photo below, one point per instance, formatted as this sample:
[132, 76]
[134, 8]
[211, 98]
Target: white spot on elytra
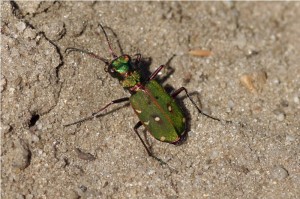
[146, 123]
[183, 120]
[138, 111]
[170, 108]
[157, 119]
[162, 138]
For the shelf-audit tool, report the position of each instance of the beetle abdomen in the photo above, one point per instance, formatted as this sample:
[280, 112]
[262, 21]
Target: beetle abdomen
[158, 112]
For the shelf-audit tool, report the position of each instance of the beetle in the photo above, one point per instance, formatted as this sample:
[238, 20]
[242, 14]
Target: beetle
[156, 109]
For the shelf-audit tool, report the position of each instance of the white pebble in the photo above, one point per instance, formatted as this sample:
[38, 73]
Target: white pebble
[280, 117]
[21, 26]
[35, 138]
[296, 99]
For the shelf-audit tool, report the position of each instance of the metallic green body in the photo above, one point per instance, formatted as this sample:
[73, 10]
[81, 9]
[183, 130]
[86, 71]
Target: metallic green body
[158, 112]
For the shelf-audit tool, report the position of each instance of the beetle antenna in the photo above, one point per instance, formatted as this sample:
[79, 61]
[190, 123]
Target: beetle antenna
[109, 44]
[68, 50]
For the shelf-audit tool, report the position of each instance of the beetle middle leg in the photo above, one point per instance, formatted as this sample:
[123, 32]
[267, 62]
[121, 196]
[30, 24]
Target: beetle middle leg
[138, 125]
[176, 92]
[95, 114]
[154, 74]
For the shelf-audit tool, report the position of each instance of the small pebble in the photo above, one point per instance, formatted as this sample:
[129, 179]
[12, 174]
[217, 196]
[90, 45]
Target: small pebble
[247, 81]
[251, 52]
[280, 117]
[62, 163]
[39, 126]
[279, 173]
[3, 83]
[19, 196]
[289, 139]
[256, 108]
[71, 194]
[255, 81]
[150, 172]
[214, 155]
[29, 196]
[230, 104]
[84, 156]
[29, 34]
[5, 128]
[201, 53]
[83, 188]
[297, 99]
[34, 138]
[21, 26]
[276, 81]
[21, 156]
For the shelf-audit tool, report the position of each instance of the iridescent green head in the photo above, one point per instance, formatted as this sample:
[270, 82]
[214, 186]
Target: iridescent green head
[121, 68]
[121, 64]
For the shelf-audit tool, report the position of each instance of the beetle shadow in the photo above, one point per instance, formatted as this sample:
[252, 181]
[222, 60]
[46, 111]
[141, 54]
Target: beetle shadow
[144, 67]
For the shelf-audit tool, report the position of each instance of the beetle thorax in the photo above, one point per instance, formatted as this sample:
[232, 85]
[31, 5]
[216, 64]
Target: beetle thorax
[132, 79]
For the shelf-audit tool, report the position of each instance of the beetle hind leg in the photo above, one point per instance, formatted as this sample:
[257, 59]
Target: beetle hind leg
[176, 92]
[135, 128]
[95, 114]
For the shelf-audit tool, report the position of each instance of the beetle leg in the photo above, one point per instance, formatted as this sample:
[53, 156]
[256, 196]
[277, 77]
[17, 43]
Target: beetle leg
[135, 128]
[138, 125]
[175, 93]
[95, 114]
[138, 58]
[154, 74]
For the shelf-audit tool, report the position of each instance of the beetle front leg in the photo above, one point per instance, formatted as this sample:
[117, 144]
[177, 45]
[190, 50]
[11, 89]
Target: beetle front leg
[175, 93]
[95, 114]
[138, 125]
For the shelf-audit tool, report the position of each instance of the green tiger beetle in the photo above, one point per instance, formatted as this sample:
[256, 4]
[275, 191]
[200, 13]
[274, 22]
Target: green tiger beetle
[157, 110]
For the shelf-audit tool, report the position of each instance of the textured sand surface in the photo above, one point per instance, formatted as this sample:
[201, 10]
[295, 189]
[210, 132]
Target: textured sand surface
[252, 77]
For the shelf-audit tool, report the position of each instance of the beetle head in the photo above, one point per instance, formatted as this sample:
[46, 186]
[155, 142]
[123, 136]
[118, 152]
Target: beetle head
[121, 65]
[121, 68]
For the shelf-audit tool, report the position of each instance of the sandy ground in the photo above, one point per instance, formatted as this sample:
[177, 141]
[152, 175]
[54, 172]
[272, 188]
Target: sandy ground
[252, 77]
